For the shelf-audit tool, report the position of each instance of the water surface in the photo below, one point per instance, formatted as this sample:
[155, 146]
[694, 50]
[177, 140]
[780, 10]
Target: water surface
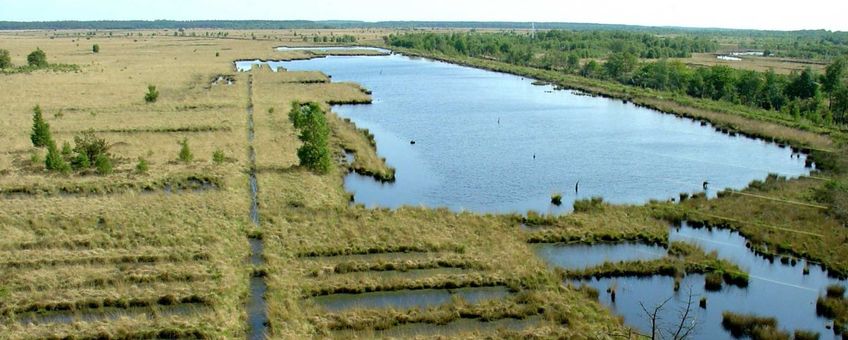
[493, 142]
[776, 290]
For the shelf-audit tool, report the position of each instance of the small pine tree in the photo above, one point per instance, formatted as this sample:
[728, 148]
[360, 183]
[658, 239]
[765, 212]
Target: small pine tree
[152, 94]
[54, 160]
[185, 153]
[142, 166]
[37, 58]
[103, 164]
[218, 156]
[67, 150]
[40, 129]
[95, 48]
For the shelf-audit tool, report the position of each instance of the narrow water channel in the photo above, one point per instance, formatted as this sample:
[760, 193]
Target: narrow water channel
[257, 314]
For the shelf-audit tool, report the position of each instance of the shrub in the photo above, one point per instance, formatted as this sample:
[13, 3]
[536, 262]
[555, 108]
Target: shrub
[40, 129]
[142, 166]
[103, 164]
[218, 156]
[152, 94]
[88, 146]
[5, 59]
[37, 59]
[95, 48]
[80, 162]
[185, 153]
[556, 199]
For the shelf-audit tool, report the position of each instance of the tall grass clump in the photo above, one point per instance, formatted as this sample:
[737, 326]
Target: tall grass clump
[749, 325]
[314, 154]
[40, 135]
[556, 199]
[95, 48]
[835, 291]
[152, 94]
[594, 204]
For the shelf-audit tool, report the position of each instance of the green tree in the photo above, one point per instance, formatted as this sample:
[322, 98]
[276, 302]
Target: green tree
[185, 153]
[5, 59]
[95, 48]
[803, 86]
[719, 83]
[591, 69]
[773, 97]
[37, 58]
[619, 65]
[152, 94]
[573, 62]
[839, 104]
[832, 79]
[40, 135]
[749, 87]
[314, 154]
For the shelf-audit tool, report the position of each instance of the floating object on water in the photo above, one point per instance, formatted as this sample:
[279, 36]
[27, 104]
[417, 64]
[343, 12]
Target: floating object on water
[706, 184]
[412, 142]
[577, 187]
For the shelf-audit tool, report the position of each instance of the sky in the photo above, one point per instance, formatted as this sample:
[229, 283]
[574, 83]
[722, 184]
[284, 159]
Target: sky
[772, 15]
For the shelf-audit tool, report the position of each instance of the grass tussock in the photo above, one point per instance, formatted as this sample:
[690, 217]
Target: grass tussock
[753, 326]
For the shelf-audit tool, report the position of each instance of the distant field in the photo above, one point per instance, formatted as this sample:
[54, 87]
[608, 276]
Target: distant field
[779, 65]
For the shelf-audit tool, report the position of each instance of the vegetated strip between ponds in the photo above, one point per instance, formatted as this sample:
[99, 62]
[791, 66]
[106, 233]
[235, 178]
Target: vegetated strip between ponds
[171, 184]
[160, 310]
[257, 312]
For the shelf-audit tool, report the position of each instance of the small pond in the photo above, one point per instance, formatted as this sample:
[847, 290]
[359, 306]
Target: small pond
[405, 299]
[775, 289]
[493, 142]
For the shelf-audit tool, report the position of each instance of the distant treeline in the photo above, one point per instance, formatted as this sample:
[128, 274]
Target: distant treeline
[340, 24]
[555, 45]
[819, 98]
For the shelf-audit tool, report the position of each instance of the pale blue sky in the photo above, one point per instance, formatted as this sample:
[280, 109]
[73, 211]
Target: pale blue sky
[775, 14]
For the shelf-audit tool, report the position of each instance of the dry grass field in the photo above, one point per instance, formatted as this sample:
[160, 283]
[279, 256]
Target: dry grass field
[756, 63]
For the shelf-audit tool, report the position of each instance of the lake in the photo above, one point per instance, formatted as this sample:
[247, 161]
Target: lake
[494, 142]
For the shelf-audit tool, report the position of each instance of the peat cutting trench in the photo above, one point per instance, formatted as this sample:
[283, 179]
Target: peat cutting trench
[257, 315]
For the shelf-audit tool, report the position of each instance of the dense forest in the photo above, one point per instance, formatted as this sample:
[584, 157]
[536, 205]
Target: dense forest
[625, 58]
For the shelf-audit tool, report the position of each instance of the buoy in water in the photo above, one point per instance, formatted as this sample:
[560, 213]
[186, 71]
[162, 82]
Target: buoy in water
[412, 142]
